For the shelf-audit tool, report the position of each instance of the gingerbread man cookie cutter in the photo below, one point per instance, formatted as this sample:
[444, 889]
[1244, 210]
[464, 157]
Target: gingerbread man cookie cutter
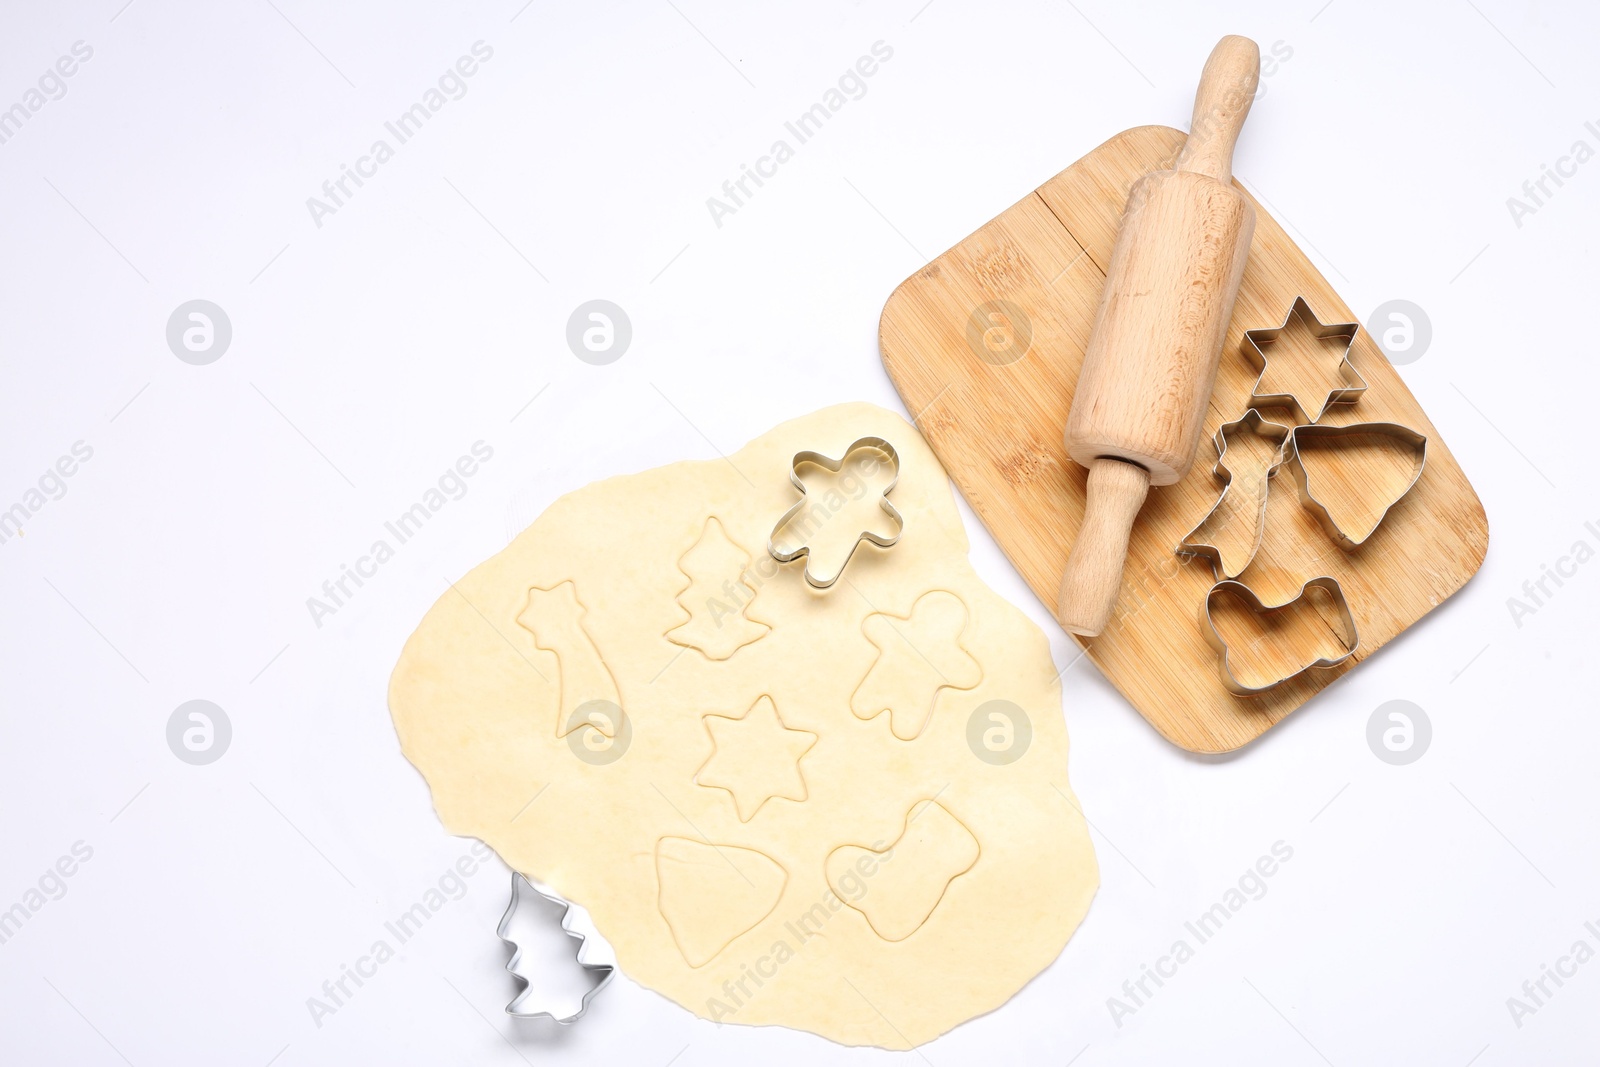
[788, 555]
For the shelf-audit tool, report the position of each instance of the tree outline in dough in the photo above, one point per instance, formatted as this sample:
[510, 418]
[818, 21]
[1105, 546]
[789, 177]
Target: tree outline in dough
[718, 625]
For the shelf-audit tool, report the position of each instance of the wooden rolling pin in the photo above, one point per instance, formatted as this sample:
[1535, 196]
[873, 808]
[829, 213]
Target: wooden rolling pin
[1152, 356]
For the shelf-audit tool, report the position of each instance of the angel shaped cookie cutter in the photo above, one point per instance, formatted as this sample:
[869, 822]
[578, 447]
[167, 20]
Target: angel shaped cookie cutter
[804, 515]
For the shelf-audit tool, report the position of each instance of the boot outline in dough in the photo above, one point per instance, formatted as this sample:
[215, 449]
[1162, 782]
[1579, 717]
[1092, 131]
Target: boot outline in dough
[898, 888]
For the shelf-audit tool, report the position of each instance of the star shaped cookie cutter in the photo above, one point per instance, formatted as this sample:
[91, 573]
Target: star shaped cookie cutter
[784, 555]
[1254, 348]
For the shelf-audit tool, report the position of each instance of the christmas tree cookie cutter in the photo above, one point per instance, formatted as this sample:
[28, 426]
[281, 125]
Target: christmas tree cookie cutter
[526, 895]
[810, 522]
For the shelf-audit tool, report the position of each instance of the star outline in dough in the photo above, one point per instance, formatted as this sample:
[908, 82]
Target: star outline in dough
[1257, 341]
[729, 746]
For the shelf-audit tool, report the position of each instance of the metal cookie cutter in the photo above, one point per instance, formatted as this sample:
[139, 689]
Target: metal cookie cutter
[877, 444]
[1256, 343]
[1239, 689]
[524, 895]
[1254, 423]
[1404, 434]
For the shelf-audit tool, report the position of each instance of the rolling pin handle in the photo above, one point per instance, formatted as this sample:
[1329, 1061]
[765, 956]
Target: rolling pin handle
[1093, 577]
[1227, 89]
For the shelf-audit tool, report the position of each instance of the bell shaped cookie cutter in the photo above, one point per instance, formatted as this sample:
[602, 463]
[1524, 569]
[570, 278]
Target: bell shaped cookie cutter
[783, 555]
[525, 894]
[1230, 681]
[1256, 342]
[1404, 434]
[1254, 422]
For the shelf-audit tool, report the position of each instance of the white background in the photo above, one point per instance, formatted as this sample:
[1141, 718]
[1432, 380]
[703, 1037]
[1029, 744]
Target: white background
[370, 352]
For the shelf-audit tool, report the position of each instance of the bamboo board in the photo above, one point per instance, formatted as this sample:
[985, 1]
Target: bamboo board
[997, 427]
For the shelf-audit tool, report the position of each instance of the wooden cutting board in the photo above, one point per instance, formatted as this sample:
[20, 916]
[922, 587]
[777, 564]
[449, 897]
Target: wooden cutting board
[993, 406]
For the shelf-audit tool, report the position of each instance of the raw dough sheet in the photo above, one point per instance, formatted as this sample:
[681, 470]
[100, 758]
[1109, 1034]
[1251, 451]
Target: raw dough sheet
[845, 811]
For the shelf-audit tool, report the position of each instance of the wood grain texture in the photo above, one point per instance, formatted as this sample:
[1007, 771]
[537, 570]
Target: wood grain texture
[1113, 496]
[1227, 89]
[994, 413]
[1158, 332]
[1161, 324]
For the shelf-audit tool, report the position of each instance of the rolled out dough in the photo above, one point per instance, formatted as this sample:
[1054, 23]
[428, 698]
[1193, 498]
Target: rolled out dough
[876, 872]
